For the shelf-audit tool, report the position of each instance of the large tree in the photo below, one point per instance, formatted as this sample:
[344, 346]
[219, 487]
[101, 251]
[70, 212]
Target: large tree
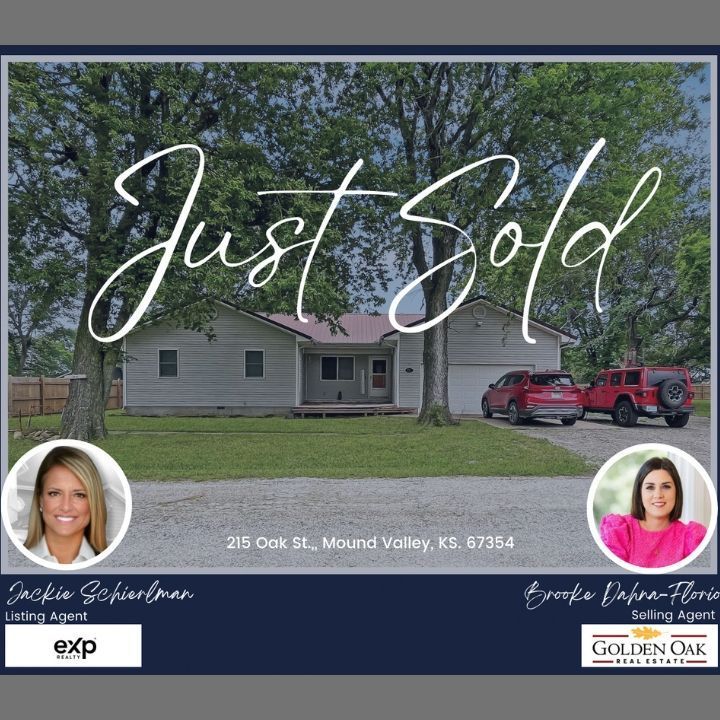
[431, 119]
[654, 290]
[76, 126]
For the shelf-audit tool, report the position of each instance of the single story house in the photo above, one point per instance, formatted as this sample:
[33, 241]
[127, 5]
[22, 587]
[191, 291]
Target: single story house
[264, 364]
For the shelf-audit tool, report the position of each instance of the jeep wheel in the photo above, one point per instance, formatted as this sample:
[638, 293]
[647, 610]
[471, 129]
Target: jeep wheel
[514, 414]
[486, 412]
[677, 421]
[584, 414]
[673, 393]
[568, 421]
[625, 415]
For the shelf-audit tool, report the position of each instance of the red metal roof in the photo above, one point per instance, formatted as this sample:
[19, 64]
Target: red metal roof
[361, 329]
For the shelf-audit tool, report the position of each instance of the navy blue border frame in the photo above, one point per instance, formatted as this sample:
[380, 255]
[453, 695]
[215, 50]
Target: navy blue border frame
[360, 624]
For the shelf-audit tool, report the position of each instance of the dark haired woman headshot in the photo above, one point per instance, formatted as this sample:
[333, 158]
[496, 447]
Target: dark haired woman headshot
[68, 513]
[652, 535]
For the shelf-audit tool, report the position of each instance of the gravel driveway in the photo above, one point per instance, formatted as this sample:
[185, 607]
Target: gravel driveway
[188, 525]
[598, 439]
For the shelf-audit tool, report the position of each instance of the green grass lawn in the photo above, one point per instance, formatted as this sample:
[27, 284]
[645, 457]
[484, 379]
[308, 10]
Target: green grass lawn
[116, 421]
[702, 408]
[225, 448]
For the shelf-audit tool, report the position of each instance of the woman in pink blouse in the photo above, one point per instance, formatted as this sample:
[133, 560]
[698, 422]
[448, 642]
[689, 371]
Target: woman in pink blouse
[652, 535]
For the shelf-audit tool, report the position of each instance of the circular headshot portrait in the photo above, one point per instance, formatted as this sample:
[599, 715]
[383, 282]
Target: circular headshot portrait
[66, 505]
[652, 508]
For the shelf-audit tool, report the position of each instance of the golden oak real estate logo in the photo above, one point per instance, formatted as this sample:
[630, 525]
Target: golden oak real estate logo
[643, 646]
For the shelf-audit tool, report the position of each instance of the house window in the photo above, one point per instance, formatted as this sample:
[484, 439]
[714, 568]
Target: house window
[255, 364]
[167, 363]
[337, 367]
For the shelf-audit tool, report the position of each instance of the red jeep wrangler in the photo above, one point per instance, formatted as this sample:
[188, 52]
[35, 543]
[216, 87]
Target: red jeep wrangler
[629, 393]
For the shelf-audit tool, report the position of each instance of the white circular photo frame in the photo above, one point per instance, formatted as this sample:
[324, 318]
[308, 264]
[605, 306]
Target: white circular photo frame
[18, 490]
[664, 449]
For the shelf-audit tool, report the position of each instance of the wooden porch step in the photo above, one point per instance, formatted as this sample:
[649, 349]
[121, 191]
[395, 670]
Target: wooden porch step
[357, 410]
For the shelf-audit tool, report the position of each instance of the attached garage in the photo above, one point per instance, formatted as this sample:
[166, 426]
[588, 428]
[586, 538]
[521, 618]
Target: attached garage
[485, 342]
[467, 383]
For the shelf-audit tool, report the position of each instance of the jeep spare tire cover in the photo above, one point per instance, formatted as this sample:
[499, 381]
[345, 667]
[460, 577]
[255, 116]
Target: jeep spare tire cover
[673, 393]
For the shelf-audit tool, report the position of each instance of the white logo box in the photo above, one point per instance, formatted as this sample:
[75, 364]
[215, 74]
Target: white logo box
[78, 646]
[645, 645]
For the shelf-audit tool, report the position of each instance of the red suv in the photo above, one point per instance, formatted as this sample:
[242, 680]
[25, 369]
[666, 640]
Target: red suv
[524, 394]
[653, 392]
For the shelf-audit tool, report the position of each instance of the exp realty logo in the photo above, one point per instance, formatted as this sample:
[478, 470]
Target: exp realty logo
[689, 646]
[78, 649]
[81, 645]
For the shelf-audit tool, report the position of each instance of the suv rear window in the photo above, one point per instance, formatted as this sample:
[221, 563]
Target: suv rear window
[550, 379]
[655, 377]
[632, 378]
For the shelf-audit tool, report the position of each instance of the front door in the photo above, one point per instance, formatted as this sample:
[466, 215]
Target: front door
[378, 377]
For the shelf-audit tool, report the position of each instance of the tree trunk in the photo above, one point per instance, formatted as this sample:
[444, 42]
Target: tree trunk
[24, 353]
[632, 353]
[19, 344]
[84, 415]
[436, 406]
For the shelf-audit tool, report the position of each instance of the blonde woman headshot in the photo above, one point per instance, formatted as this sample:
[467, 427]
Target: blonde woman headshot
[68, 515]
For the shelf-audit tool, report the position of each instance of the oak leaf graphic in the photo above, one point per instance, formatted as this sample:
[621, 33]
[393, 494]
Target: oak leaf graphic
[645, 633]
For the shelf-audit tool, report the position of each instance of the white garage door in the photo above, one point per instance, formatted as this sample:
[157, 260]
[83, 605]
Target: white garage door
[467, 383]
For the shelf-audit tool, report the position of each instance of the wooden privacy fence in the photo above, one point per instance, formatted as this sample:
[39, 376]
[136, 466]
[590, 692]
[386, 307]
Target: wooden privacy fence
[702, 392]
[45, 396]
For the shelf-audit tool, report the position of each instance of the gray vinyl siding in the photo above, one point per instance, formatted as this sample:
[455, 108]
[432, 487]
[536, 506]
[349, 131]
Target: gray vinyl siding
[410, 383]
[497, 341]
[212, 374]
